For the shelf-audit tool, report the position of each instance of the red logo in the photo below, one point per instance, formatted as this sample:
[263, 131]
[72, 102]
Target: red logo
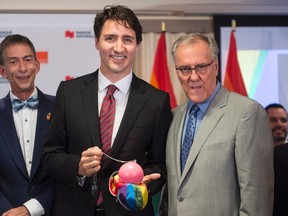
[42, 56]
[68, 77]
[69, 34]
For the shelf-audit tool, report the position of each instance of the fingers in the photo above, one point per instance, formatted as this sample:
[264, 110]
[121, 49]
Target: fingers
[151, 177]
[90, 161]
[18, 211]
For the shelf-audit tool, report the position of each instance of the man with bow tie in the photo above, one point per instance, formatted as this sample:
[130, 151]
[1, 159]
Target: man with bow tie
[25, 189]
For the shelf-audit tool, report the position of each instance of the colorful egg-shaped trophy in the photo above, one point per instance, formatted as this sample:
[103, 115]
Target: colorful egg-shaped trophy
[127, 185]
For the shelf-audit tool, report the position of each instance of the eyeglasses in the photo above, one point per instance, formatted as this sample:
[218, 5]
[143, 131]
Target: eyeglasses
[200, 69]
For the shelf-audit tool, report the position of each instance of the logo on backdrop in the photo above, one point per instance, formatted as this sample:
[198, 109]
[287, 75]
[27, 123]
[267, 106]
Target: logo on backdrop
[78, 34]
[42, 57]
[3, 34]
[69, 34]
[68, 77]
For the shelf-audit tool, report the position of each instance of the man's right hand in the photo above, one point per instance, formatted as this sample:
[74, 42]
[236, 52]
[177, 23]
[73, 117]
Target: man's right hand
[90, 161]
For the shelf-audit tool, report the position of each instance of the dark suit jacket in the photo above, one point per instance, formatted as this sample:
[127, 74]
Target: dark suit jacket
[281, 180]
[75, 128]
[16, 187]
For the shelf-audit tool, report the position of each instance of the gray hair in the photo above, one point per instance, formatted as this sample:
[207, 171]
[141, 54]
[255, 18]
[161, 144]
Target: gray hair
[192, 38]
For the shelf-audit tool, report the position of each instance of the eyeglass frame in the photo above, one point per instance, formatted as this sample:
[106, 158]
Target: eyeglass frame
[201, 66]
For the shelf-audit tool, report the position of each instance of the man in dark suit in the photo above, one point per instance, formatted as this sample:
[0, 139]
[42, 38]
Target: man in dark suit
[25, 189]
[73, 150]
[278, 121]
[281, 179]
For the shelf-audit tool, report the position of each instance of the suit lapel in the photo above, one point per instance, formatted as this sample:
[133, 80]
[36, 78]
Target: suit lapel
[90, 103]
[210, 120]
[42, 124]
[175, 136]
[9, 135]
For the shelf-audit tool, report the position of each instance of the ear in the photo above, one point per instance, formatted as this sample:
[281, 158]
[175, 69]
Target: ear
[37, 64]
[216, 67]
[2, 72]
[97, 43]
[137, 48]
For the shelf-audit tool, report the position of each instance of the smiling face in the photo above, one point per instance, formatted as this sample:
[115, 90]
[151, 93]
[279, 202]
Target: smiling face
[197, 86]
[20, 68]
[117, 47]
[278, 124]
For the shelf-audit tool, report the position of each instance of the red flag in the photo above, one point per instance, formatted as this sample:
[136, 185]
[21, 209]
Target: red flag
[233, 78]
[160, 75]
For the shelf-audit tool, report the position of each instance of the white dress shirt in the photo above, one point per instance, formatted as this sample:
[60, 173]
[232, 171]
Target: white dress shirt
[120, 95]
[25, 121]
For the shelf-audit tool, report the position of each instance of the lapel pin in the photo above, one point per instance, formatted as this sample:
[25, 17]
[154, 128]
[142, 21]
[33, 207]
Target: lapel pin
[48, 116]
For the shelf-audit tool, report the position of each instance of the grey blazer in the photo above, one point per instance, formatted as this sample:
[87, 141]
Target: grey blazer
[229, 170]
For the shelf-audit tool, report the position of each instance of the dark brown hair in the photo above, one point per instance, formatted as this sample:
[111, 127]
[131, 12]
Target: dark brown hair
[122, 15]
[15, 39]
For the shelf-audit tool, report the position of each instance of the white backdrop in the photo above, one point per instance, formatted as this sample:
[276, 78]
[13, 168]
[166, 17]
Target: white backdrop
[67, 38]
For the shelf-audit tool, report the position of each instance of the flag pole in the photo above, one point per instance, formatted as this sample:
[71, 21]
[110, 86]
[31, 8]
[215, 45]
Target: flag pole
[233, 23]
[233, 80]
[163, 27]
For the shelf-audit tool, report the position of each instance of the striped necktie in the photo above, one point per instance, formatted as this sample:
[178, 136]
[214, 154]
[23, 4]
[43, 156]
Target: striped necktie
[107, 115]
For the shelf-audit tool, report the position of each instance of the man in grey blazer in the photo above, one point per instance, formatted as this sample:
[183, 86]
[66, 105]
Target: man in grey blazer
[229, 169]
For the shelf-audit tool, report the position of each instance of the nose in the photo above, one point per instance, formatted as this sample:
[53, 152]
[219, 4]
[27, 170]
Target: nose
[21, 65]
[119, 46]
[194, 75]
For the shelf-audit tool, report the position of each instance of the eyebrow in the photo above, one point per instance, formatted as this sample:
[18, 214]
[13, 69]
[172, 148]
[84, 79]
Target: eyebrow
[26, 56]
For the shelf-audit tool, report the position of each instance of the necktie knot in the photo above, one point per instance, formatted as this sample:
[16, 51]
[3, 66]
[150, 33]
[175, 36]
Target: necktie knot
[111, 89]
[31, 103]
[194, 110]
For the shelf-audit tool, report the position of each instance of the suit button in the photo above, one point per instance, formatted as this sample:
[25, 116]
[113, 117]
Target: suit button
[180, 199]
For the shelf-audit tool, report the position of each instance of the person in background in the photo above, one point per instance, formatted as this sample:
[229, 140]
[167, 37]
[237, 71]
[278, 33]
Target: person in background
[25, 189]
[281, 179]
[278, 122]
[228, 170]
[277, 115]
[75, 151]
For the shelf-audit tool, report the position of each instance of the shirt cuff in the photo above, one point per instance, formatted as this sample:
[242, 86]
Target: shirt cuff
[34, 207]
[81, 180]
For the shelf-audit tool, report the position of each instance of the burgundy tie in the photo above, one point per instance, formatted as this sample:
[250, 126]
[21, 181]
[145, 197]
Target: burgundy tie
[107, 115]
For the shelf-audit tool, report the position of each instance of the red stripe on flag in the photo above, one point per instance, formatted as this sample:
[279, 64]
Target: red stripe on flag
[160, 75]
[233, 77]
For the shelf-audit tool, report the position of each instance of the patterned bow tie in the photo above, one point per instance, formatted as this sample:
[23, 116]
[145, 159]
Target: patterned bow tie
[31, 103]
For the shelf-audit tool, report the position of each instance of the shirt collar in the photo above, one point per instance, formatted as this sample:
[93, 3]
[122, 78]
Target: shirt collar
[35, 93]
[204, 106]
[123, 85]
